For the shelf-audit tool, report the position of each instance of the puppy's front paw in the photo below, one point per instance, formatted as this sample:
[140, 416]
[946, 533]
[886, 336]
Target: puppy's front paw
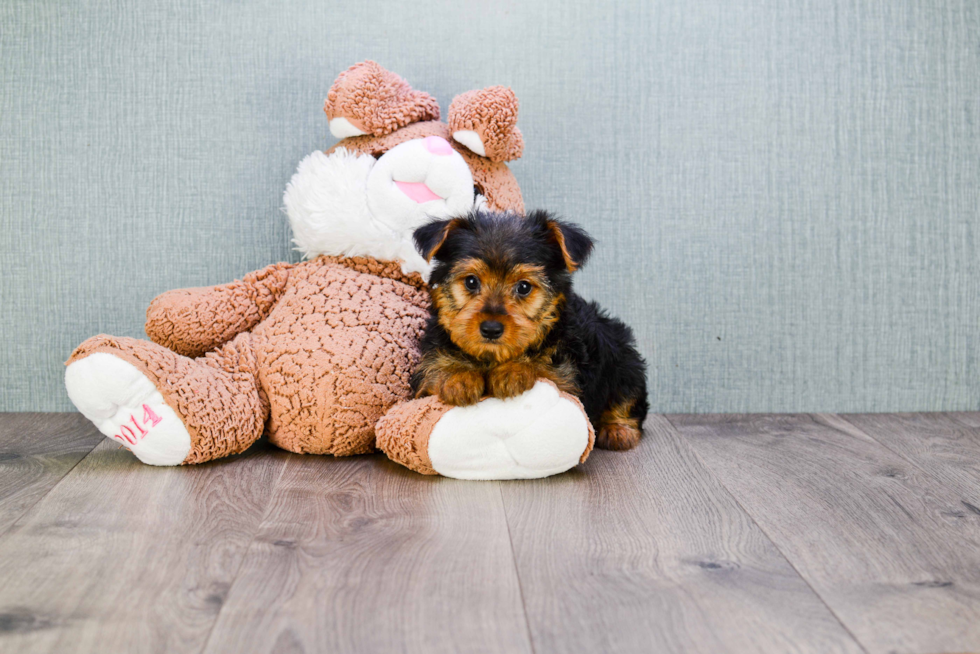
[511, 379]
[618, 437]
[461, 388]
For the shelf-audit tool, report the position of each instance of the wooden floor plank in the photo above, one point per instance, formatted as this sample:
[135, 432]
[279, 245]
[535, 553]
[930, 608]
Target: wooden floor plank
[124, 557]
[644, 551]
[968, 418]
[873, 534]
[361, 555]
[36, 451]
[942, 446]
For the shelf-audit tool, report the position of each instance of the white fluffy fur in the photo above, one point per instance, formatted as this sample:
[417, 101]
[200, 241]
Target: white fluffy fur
[326, 201]
[447, 176]
[533, 435]
[328, 208]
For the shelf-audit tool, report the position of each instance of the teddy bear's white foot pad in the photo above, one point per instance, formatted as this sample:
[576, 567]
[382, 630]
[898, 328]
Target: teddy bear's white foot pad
[127, 408]
[537, 434]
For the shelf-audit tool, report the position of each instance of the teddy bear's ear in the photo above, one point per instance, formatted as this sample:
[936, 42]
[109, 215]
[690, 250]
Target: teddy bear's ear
[485, 121]
[367, 99]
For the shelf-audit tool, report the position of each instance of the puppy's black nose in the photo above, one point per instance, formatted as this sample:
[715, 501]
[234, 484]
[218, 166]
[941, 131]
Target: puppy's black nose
[491, 329]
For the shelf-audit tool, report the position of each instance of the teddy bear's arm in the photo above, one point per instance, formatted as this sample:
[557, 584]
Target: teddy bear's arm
[542, 432]
[193, 321]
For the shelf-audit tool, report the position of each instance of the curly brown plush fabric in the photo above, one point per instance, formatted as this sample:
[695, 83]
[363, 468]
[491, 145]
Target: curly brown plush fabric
[493, 179]
[217, 396]
[377, 101]
[332, 345]
[314, 354]
[338, 351]
[403, 432]
[192, 321]
[591, 445]
[492, 114]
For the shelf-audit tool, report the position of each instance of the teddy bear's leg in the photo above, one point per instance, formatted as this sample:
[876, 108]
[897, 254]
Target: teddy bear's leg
[167, 408]
[537, 434]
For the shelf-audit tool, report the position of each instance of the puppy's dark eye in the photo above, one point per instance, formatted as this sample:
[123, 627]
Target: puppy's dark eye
[523, 288]
[472, 283]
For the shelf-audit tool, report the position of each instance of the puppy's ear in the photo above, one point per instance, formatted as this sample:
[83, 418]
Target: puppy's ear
[574, 242]
[431, 236]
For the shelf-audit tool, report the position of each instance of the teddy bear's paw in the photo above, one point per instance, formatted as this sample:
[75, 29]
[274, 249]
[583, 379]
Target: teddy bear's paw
[128, 408]
[539, 433]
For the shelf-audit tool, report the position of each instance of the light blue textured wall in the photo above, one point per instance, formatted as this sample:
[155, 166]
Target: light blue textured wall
[785, 192]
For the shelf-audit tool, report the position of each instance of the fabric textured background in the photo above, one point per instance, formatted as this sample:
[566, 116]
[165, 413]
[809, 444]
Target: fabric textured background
[786, 193]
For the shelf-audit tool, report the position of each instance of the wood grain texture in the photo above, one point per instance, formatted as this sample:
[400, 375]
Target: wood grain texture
[361, 555]
[36, 451]
[880, 540]
[124, 557]
[725, 534]
[968, 418]
[644, 551]
[942, 446]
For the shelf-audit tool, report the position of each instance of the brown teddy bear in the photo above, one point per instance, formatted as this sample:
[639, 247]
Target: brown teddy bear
[315, 354]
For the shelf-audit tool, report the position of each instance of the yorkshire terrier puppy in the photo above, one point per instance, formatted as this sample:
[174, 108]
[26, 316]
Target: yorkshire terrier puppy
[504, 315]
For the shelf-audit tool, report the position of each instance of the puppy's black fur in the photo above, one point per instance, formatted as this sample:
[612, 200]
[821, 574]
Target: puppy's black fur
[551, 332]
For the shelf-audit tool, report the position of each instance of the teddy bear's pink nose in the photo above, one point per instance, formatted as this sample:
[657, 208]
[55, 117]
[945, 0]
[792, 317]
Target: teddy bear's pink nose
[438, 145]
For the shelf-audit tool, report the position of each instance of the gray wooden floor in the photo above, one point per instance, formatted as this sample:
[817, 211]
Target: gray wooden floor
[779, 533]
